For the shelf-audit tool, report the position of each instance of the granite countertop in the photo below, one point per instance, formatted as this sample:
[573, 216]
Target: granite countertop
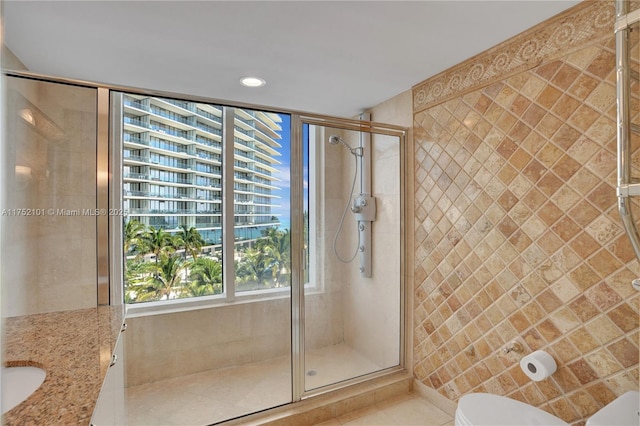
[74, 348]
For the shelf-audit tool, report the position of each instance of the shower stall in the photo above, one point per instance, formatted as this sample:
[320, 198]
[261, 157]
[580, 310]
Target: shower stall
[354, 256]
[270, 327]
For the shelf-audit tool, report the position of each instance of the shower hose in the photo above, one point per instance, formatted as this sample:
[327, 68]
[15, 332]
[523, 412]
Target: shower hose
[344, 214]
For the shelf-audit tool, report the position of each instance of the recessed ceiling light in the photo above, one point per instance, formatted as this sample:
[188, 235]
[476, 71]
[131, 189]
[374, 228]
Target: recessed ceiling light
[252, 81]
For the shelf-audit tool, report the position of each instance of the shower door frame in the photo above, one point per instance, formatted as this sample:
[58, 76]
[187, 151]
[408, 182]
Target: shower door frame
[109, 273]
[298, 121]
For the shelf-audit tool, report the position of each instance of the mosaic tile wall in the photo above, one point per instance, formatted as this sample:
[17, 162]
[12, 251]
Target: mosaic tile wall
[518, 238]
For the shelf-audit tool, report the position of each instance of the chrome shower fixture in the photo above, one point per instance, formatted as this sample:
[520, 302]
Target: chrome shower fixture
[363, 206]
[335, 140]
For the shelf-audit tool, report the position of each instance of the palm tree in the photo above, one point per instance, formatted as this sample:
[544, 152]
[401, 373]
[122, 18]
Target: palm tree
[134, 273]
[191, 240]
[206, 277]
[194, 290]
[276, 246]
[254, 267]
[269, 261]
[133, 232]
[162, 279]
[157, 241]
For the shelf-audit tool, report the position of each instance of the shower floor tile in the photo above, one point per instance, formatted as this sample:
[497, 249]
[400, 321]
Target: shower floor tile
[218, 395]
[333, 364]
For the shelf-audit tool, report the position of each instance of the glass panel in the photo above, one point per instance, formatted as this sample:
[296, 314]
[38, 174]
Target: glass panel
[220, 361]
[172, 174]
[634, 87]
[49, 190]
[352, 322]
[262, 200]
[172, 190]
[633, 34]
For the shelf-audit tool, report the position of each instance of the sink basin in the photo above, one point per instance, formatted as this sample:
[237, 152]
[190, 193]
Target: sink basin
[18, 383]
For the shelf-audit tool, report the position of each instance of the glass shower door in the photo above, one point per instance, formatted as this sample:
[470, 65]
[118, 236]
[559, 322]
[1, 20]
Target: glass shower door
[352, 292]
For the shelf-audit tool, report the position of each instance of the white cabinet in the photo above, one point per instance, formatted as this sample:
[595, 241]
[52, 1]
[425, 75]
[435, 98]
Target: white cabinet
[111, 408]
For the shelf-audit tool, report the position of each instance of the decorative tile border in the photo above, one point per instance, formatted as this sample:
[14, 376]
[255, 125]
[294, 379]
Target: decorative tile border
[587, 21]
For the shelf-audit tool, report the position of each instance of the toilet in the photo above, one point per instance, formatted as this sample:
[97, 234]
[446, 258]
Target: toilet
[478, 409]
[624, 410]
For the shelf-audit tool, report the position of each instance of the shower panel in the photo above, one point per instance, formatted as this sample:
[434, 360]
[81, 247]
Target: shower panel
[363, 206]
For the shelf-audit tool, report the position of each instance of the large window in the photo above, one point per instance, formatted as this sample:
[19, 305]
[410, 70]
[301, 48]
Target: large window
[178, 243]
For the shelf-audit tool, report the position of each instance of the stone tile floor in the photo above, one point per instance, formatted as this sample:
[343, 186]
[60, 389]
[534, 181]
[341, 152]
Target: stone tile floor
[405, 410]
[218, 395]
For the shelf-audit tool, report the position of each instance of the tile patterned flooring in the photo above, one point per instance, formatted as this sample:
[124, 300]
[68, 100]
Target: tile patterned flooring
[405, 410]
[211, 396]
[222, 394]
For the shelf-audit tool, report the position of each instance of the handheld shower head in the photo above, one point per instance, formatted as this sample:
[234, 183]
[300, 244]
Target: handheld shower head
[335, 140]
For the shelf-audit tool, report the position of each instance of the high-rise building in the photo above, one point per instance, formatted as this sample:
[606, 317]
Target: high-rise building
[172, 167]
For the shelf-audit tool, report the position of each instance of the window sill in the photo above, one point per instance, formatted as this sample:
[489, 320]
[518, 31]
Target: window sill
[134, 310]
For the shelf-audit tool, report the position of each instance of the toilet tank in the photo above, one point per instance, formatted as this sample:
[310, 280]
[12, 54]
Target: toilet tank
[622, 411]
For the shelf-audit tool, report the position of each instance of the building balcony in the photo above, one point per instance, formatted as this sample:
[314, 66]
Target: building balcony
[137, 211]
[208, 142]
[208, 115]
[138, 104]
[137, 176]
[208, 129]
[134, 139]
[147, 177]
[136, 121]
[137, 158]
[171, 115]
[208, 225]
[148, 194]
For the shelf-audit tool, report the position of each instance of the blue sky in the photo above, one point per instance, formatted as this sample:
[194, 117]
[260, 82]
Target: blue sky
[284, 173]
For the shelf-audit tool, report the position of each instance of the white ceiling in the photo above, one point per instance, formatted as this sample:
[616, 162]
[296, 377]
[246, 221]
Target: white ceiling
[329, 57]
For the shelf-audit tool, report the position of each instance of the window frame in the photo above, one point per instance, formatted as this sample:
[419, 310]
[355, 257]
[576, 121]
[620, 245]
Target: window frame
[230, 294]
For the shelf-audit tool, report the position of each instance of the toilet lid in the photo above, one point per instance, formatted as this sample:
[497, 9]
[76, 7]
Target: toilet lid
[624, 410]
[488, 409]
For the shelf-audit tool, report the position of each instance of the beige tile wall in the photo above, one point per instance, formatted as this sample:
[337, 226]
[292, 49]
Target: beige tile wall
[175, 344]
[517, 233]
[372, 305]
[398, 111]
[49, 259]
[170, 345]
